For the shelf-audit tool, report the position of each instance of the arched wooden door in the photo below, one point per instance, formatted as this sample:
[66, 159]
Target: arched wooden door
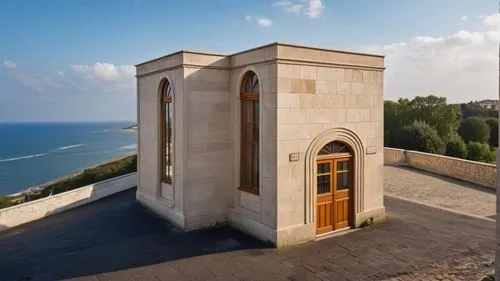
[334, 183]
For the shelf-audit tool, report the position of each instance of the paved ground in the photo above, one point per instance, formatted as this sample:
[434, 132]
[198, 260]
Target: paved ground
[440, 191]
[115, 239]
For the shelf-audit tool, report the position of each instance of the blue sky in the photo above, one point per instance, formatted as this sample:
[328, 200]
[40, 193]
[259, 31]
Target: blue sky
[71, 60]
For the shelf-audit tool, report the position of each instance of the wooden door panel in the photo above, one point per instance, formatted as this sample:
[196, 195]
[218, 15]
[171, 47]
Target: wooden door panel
[342, 193]
[324, 218]
[341, 213]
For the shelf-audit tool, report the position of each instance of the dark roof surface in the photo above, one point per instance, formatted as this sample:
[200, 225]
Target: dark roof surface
[116, 239]
[108, 235]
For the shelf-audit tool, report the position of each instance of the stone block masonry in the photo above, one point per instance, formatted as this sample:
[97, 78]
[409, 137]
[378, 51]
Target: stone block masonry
[475, 172]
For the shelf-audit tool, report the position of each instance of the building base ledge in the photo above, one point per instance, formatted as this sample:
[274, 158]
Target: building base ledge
[296, 234]
[205, 220]
[374, 215]
[159, 207]
[252, 227]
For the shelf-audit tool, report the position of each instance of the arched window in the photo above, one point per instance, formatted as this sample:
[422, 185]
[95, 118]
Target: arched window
[166, 125]
[250, 133]
[334, 147]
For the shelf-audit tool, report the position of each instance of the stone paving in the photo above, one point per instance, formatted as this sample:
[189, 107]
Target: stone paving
[116, 239]
[440, 191]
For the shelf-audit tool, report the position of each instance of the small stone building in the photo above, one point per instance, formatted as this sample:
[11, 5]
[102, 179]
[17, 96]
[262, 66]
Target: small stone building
[284, 142]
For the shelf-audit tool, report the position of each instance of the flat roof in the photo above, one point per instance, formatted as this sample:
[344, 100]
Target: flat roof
[261, 47]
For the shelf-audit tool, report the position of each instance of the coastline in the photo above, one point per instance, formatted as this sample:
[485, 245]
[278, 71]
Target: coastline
[36, 189]
[56, 149]
[132, 128]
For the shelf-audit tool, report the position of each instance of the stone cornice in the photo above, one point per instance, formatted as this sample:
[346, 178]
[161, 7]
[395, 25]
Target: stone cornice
[282, 55]
[277, 60]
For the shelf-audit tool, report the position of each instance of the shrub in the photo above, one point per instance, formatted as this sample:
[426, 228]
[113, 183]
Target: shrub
[493, 123]
[480, 152]
[96, 174]
[473, 109]
[420, 136]
[456, 147]
[4, 202]
[474, 129]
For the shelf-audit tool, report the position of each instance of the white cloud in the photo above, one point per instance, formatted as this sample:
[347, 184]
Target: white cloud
[34, 81]
[492, 21]
[282, 3]
[9, 64]
[97, 77]
[104, 71]
[314, 7]
[103, 77]
[462, 66]
[288, 6]
[295, 8]
[264, 21]
[464, 18]
[127, 70]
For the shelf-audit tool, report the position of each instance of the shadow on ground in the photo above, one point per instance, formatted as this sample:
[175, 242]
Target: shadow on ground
[106, 236]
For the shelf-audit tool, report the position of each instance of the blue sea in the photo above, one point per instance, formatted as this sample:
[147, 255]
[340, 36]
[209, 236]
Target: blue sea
[35, 153]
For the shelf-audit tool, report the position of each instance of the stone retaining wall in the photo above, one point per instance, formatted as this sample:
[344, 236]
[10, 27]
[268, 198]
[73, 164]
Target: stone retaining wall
[470, 171]
[34, 210]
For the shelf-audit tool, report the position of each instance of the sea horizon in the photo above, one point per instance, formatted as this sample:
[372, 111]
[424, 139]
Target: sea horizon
[34, 153]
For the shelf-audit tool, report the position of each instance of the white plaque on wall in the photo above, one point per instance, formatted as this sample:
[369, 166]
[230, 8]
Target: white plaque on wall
[371, 150]
[293, 157]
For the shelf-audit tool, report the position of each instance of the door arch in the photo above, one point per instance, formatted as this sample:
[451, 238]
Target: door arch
[350, 138]
[334, 187]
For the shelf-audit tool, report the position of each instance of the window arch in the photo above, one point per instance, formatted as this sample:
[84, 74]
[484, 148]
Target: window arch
[334, 147]
[250, 130]
[166, 131]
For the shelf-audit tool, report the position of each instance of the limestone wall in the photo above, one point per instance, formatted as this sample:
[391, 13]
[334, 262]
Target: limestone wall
[470, 171]
[318, 100]
[34, 210]
[208, 142]
[256, 213]
[164, 198]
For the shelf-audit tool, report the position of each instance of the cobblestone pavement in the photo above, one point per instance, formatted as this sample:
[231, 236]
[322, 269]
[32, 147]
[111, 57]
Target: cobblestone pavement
[439, 191]
[116, 239]
[463, 267]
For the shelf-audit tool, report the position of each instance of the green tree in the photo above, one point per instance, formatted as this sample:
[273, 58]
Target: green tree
[420, 136]
[474, 129]
[480, 152]
[493, 123]
[493, 113]
[395, 117]
[435, 111]
[472, 109]
[456, 147]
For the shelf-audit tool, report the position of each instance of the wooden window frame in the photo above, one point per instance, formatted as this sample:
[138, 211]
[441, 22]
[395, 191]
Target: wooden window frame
[249, 97]
[166, 135]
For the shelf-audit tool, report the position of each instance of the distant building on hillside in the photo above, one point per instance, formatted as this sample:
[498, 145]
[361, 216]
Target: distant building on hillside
[488, 104]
